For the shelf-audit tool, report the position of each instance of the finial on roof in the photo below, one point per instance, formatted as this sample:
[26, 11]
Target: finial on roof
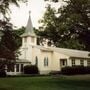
[29, 13]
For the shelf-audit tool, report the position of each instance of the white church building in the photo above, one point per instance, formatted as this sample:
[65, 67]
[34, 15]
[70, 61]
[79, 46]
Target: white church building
[46, 58]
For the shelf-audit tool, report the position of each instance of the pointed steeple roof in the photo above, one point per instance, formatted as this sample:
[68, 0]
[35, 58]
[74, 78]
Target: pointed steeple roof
[29, 28]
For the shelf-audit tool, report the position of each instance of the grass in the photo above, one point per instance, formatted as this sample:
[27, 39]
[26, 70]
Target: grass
[46, 83]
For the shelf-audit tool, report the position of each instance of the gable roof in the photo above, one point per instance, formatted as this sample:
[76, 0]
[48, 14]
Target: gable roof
[44, 48]
[73, 53]
[69, 52]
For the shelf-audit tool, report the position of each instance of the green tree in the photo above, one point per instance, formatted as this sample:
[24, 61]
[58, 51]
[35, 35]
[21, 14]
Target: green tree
[72, 28]
[76, 17]
[48, 28]
[18, 32]
[8, 43]
[4, 5]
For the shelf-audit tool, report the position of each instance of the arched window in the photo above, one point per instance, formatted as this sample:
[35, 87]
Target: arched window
[36, 61]
[46, 61]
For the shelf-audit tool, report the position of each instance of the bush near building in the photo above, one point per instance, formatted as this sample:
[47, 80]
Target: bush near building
[75, 70]
[2, 73]
[31, 69]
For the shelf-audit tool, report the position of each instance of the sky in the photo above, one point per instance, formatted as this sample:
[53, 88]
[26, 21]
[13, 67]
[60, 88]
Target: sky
[19, 15]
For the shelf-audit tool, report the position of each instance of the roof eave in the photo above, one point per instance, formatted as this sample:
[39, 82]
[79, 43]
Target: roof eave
[79, 57]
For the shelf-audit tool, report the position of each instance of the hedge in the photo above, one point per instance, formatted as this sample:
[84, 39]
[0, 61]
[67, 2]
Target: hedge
[31, 69]
[75, 70]
[2, 73]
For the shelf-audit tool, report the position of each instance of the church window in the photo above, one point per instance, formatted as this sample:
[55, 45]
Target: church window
[21, 67]
[32, 39]
[88, 62]
[82, 62]
[17, 67]
[73, 62]
[36, 61]
[46, 61]
[63, 62]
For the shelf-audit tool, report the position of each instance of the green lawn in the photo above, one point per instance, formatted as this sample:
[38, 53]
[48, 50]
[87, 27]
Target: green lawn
[46, 83]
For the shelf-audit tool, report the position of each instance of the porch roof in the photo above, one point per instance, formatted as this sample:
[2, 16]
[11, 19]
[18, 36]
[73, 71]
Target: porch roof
[22, 61]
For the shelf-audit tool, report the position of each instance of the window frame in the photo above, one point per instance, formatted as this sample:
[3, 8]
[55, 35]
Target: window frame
[73, 62]
[22, 67]
[17, 67]
[81, 62]
[46, 61]
[88, 62]
[36, 61]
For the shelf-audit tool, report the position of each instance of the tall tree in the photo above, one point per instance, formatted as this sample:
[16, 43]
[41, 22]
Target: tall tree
[48, 28]
[8, 43]
[72, 25]
[4, 5]
[77, 17]
[18, 32]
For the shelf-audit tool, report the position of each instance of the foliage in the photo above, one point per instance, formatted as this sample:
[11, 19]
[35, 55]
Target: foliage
[18, 33]
[8, 45]
[2, 73]
[31, 69]
[75, 70]
[70, 29]
[4, 5]
[48, 29]
[8, 41]
[77, 19]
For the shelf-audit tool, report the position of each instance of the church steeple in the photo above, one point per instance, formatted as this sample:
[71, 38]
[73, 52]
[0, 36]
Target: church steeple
[29, 28]
[29, 37]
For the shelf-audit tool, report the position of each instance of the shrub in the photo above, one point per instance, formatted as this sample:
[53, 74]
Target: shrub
[75, 70]
[2, 73]
[31, 69]
[87, 69]
[55, 73]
